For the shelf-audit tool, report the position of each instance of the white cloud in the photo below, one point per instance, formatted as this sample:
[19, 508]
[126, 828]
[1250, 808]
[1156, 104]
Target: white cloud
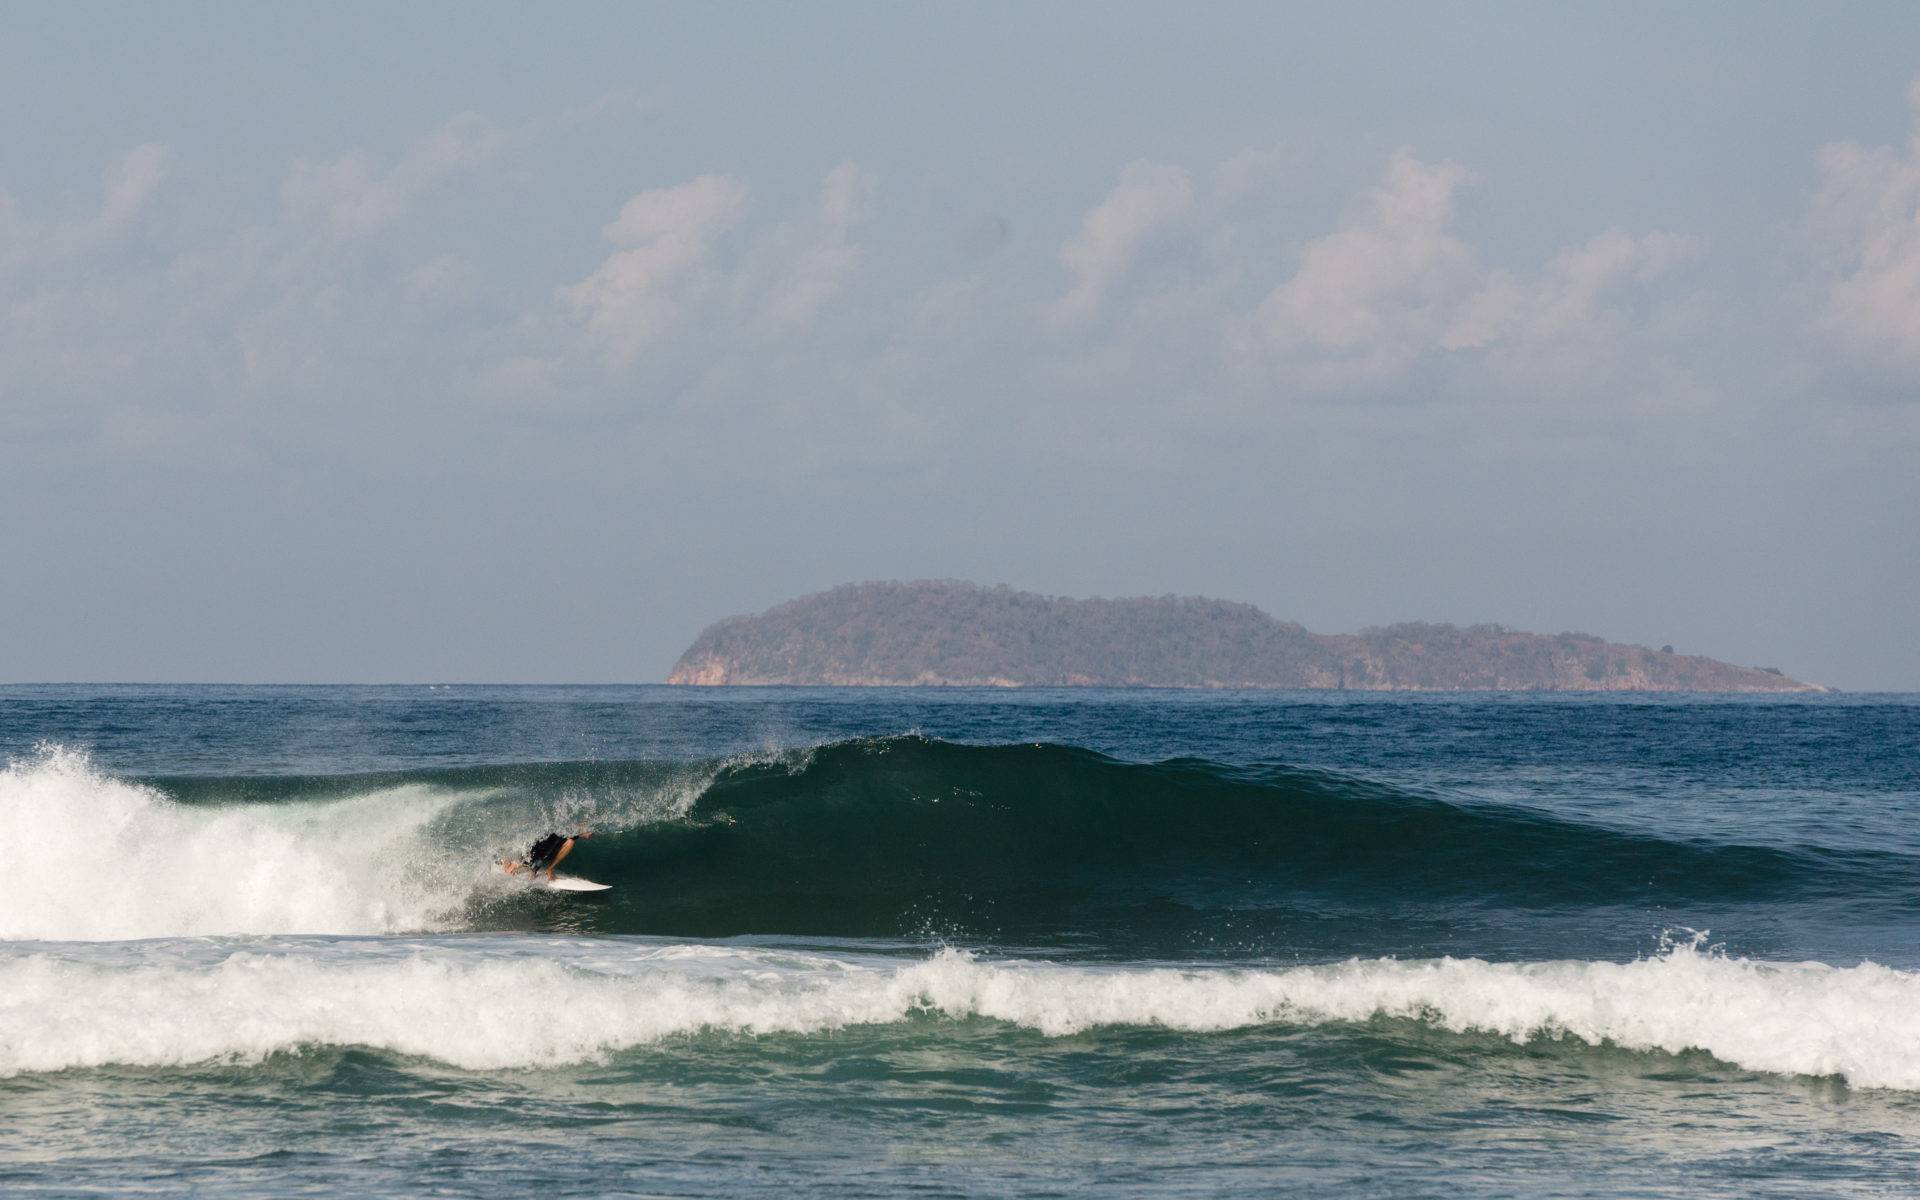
[1867, 215]
[1562, 303]
[129, 188]
[844, 196]
[633, 297]
[133, 184]
[77, 324]
[1252, 174]
[1373, 295]
[692, 299]
[1395, 284]
[353, 199]
[1148, 198]
[821, 267]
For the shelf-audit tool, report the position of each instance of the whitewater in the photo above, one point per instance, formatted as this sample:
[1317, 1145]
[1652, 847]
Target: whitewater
[501, 1005]
[1064, 943]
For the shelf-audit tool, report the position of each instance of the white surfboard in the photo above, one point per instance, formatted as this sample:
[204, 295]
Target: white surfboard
[572, 883]
[560, 883]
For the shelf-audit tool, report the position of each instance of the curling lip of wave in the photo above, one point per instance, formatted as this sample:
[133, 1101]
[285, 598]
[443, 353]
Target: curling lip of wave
[490, 1009]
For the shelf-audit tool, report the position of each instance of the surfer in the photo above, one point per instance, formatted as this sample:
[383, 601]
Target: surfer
[545, 854]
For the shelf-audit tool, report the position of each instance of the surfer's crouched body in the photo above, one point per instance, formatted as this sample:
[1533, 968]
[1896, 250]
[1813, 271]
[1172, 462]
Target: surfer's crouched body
[545, 854]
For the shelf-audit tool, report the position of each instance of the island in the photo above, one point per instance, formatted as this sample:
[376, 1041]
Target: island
[953, 633]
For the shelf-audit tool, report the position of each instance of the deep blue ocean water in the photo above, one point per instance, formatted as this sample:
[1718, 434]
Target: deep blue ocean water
[958, 942]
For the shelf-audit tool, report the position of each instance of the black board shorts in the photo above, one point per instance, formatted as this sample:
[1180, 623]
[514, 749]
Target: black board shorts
[544, 851]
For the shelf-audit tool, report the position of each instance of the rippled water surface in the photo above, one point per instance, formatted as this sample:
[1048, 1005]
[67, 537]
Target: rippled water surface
[867, 942]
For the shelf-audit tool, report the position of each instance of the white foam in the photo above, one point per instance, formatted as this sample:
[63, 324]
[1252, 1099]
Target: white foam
[522, 1003]
[98, 857]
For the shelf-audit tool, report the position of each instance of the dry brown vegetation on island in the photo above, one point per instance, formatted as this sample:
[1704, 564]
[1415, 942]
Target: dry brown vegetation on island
[954, 633]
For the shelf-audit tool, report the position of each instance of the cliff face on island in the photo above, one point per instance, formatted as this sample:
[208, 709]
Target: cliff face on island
[948, 632]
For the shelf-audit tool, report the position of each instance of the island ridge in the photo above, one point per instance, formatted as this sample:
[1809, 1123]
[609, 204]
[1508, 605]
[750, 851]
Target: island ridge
[949, 632]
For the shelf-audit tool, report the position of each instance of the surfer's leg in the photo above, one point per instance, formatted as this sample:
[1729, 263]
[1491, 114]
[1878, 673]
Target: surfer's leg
[566, 848]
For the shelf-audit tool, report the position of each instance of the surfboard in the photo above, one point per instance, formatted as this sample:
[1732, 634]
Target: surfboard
[572, 883]
[561, 883]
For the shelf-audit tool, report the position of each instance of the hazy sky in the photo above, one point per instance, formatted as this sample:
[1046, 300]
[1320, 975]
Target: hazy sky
[420, 342]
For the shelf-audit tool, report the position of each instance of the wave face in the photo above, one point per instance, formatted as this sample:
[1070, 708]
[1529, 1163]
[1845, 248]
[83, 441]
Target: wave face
[524, 1005]
[1037, 841]
[896, 836]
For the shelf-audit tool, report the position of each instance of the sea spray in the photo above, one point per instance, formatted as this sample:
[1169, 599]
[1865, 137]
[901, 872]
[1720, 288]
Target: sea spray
[114, 858]
[108, 858]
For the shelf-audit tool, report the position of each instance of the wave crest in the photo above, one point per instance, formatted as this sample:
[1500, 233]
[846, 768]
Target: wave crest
[107, 858]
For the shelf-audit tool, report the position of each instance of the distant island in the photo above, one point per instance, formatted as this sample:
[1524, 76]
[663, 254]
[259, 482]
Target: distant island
[947, 632]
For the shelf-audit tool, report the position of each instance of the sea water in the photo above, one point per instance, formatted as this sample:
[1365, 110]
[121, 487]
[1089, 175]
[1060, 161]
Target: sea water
[949, 942]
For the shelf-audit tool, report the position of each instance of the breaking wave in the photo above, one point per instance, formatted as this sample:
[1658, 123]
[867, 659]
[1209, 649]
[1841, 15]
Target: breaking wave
[896, 836]
[531, 1003]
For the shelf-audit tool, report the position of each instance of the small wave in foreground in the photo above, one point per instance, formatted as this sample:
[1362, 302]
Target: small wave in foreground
[515, 1003]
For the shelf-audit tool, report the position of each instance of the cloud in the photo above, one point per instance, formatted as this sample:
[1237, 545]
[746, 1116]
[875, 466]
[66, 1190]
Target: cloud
[79, 322]
[1556, 319]
[1867, 218]
[129, 188]
[133, 184]
[1148, 198]
[821, 267]
[633, 297]
[353, 199]
[1373, 295]
[673, 261]
[1395, 284]
[844, 196]
[696, 307]
[1252, 174]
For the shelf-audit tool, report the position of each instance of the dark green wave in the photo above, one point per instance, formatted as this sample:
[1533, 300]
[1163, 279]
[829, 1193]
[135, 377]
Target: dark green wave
[907, 836]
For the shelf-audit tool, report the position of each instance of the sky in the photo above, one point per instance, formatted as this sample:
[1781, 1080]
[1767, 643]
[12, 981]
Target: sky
[450, 342]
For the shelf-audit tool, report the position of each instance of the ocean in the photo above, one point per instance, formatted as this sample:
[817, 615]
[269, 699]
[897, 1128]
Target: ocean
[947, 942]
